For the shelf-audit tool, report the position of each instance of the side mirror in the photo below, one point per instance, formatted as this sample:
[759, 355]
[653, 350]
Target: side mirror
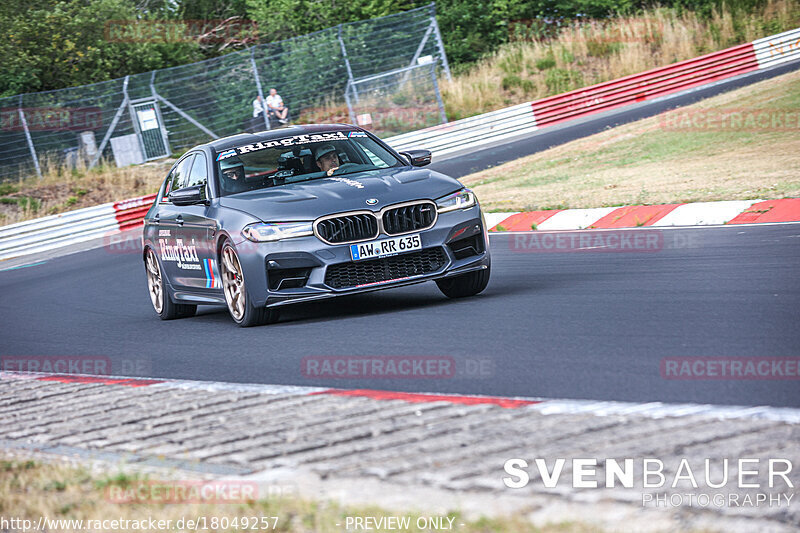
[418, 158]
[189, 195]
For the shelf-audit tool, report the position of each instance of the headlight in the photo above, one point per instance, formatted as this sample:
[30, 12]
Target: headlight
[266, 232]
[458, 200]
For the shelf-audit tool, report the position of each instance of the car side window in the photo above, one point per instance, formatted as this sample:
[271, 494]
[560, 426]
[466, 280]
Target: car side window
[199, 173]
[178, 177]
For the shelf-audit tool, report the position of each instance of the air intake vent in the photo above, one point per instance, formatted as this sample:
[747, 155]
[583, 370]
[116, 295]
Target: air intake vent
[347, 228]
[357, 273]
[408, 218]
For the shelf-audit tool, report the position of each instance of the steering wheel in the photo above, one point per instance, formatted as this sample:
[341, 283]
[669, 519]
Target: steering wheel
[344, 166]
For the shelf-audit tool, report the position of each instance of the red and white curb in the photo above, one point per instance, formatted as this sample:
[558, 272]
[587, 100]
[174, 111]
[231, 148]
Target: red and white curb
[546, 406]
[667, 215]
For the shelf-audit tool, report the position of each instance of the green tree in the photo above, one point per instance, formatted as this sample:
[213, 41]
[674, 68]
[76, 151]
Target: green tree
[54, 44]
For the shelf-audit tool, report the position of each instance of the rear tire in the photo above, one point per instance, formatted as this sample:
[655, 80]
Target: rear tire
[233, 284]
[162, 303]
[464, 285]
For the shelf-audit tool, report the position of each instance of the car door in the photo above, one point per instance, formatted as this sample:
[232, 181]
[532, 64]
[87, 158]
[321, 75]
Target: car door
[193, 233]
[170, 246]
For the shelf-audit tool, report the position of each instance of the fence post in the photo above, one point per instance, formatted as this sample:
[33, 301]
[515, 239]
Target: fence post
[258, 86]
[439, 43]
[442, 114]
[188, 118]
[29, 138]
[349, 105]
[113, 125]
[421, 46]
[347, 64]
[161, 125]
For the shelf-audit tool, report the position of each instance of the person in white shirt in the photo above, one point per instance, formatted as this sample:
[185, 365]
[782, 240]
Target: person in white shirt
[275, 105]
[258, 106]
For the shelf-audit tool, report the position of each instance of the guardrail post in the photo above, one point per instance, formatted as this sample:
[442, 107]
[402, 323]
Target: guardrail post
[29, 139]
[347, 64]
[439, 43]
[258, 87]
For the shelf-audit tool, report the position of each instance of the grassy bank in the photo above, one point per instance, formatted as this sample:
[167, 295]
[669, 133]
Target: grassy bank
[30, 490]
[736, 146]
[595, 52]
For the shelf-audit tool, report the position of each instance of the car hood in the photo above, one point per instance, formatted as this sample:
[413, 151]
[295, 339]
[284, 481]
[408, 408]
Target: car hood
[311, 199]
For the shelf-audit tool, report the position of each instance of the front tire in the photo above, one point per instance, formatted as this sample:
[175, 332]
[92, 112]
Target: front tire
[233, 285]
[162, 304]
[464, 285]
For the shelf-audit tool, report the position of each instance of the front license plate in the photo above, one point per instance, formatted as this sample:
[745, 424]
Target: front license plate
[385, 247]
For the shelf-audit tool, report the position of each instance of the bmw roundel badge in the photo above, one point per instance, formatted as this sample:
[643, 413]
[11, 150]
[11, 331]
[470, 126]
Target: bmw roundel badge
[372, 201]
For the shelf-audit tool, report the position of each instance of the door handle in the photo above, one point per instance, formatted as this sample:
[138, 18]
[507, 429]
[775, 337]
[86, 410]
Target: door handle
[179, 220]
[156, 219]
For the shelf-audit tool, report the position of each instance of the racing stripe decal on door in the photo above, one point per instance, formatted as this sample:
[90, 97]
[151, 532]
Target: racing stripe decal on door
[211, 279]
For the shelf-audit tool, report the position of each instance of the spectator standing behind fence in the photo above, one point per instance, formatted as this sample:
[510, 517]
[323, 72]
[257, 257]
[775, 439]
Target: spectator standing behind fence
[275, 106]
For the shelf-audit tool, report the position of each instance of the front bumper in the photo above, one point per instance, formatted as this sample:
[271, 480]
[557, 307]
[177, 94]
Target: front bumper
[294, 270]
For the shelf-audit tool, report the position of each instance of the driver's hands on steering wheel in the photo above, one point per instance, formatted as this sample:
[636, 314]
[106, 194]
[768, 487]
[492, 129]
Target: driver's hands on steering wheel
[347, 164]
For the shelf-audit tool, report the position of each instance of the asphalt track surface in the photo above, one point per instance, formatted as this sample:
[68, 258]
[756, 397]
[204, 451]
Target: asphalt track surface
[584, 325]
[589, 325]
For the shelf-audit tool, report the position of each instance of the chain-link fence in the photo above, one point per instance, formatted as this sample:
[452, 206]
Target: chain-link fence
[397, 101]
[385, 70]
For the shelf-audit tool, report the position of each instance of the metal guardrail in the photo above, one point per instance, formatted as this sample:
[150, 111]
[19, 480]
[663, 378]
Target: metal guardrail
[86, 224]
[474, 132]
[451, 137]
[56, 231]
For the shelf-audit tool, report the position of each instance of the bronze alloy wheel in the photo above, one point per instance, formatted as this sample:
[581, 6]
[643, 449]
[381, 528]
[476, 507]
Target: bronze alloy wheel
[233, 283]
[155, 285]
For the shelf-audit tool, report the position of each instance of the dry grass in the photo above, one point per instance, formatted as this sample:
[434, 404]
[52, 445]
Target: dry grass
[30, 490]
[647, 163]
[63, 189]
[597, 52]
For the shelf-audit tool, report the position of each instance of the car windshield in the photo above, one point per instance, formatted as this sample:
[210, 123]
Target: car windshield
[298, 158]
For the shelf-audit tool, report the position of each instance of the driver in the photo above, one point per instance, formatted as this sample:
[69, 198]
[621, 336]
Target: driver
[327, 158]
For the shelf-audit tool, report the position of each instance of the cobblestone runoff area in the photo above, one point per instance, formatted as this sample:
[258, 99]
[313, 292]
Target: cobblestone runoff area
[433, 456]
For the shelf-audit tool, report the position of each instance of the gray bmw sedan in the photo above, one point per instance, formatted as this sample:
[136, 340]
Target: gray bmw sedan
[258, 221]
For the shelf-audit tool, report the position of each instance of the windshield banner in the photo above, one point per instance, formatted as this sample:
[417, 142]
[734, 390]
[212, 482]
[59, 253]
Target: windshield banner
[294, 140]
